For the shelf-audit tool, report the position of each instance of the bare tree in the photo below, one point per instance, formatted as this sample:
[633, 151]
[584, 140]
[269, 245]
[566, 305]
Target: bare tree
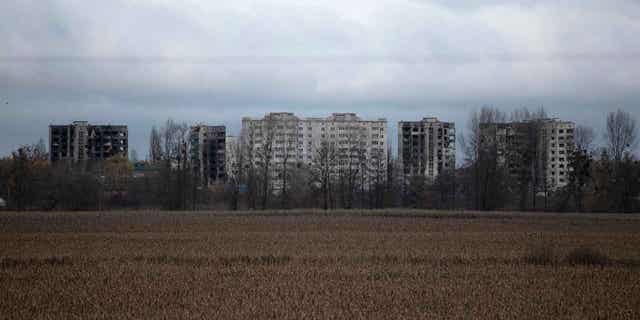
[583, 138]
[265, 139]
[133, 155]
[621, 134]
[351, 157]
[40, 150]
[168, 148]
[250, 140]
[471, 144]
[288, 141]
[534, 156]
[480, 150]
[523, 114]
[155, 146]
[395, 181]
[581, 164]
[323, 170]
[235, 169]
[378, 177]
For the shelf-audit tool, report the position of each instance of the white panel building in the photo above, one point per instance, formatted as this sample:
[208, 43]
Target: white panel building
[284, 137]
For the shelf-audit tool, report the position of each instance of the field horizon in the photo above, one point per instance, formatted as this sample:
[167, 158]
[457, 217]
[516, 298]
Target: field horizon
[292, 264]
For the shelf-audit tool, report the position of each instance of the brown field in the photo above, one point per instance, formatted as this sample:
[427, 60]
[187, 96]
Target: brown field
[364, 265]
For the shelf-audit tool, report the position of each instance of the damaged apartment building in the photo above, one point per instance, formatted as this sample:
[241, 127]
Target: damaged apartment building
[82, 141]
[427, 147]
[534, 152]
[208, 152]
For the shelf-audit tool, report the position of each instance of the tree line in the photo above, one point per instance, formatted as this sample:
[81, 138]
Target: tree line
[602, 178]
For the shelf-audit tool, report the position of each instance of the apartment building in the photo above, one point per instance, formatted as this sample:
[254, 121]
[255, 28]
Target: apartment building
[208, 153]
[536, 149]
[559, 143]
[81, 141]
[426, 147]
[284, 137]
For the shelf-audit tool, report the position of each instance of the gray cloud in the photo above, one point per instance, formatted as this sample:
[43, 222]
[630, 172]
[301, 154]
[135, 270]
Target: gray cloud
[140, 62]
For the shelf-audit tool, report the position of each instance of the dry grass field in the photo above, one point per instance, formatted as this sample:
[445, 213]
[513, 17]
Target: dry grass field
[347, 265]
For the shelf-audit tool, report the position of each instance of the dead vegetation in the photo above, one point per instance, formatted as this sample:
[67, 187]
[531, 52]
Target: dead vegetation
[587, 257]
[365, 265]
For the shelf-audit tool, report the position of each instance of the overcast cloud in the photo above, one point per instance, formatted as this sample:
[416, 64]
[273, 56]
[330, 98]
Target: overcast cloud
[141, 62]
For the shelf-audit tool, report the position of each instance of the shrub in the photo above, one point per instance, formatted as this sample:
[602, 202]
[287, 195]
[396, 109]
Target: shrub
[540, 255]
[587, 256]
[7, 263]
[56, 261]
[266, 260]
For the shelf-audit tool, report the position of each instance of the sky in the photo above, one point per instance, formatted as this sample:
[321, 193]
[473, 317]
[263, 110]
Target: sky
[140, 62]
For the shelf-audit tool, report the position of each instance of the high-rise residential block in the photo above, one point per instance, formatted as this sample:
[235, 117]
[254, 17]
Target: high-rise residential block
[285, 138]
[208, 153]
[81, 141]
[535, 152]
[426, 147]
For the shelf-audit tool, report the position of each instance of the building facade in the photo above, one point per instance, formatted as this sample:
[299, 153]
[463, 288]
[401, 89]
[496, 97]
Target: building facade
[426, 147]
[208, 153]
[285, 138]
[537, 151]
[81, 141]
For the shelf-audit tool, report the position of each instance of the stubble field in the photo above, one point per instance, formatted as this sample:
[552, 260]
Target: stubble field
[348, 265]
